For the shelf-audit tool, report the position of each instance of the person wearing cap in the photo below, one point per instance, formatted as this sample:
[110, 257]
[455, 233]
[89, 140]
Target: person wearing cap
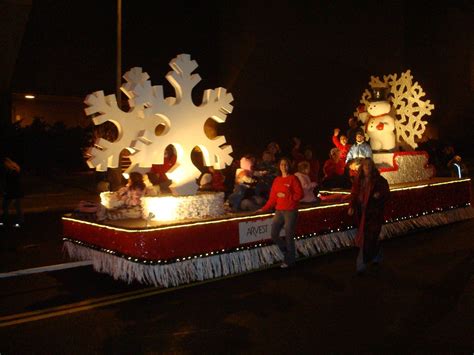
[360, 149]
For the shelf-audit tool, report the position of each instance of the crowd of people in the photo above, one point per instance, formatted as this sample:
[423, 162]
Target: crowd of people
[254, 177]
[272, 181]
[247, 184]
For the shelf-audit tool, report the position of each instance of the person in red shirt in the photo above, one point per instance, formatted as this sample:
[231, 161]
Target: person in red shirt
[218, 179]
[213, 180]
[333, 170]
[340, 141]
[285, 194]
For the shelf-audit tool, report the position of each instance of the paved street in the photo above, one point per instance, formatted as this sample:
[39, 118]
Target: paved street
[39, 243]
[420, 301]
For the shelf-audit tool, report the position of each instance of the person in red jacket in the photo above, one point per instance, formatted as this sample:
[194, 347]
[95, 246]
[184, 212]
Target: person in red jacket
[340, 141]
[213, 180]
[284, 197]
[370, 192]
[333, 170]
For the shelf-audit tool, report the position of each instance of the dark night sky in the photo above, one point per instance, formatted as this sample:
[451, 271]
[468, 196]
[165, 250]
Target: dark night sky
[293, 68]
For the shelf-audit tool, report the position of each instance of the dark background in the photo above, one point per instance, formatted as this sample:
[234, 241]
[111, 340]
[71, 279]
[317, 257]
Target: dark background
[294, 68]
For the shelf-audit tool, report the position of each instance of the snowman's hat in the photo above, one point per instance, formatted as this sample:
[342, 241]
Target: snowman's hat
[379, 93]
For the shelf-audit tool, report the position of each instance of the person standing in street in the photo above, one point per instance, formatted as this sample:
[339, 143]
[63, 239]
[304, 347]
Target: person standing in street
[12, 191]
[369, 193]
[285, 194]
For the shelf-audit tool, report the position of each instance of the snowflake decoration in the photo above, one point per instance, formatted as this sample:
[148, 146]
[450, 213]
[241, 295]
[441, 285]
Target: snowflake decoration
[407, 102]
[182, 120]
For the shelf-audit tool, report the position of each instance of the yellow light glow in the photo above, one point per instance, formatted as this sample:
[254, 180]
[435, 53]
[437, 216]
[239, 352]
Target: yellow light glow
[29, 97]
[186, 225]
[164, 209]
[334, 192]
[404, 188]
[430, 184]
[180, 208]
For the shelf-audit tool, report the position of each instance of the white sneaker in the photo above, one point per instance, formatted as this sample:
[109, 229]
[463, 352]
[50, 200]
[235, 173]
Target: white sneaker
[283, 265]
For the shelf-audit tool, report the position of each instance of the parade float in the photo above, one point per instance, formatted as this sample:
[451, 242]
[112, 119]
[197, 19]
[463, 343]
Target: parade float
[187, 236]
[393, 121]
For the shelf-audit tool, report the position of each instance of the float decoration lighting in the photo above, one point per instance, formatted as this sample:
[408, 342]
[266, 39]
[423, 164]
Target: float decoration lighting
[407, 102]
[175, 208]
[182, 120]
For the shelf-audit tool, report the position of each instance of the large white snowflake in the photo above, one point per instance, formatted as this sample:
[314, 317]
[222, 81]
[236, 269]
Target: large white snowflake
[407, 102]
[182, 120]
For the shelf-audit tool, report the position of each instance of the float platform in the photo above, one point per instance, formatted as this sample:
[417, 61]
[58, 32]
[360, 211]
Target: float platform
[176, 253]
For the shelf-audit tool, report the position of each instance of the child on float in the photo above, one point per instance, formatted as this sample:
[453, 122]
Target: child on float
[213, 180]
[334, 171]
[308, 186]
[360, 149]
[340, 141]
[245, 173]
[244, 197]
[229, 176]
[266, 171]
[160, 170]
[127, 200]
[305, 155]
[275, 151]
[150, 188]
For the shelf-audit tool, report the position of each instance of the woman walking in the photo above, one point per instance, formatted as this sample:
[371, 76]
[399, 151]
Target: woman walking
[369, 193]
[285, 193]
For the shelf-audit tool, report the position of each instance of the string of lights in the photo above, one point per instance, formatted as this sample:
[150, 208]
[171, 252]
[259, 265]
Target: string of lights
[252, 246]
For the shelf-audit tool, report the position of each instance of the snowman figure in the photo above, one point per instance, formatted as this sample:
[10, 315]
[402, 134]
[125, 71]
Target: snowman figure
[380, 124]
